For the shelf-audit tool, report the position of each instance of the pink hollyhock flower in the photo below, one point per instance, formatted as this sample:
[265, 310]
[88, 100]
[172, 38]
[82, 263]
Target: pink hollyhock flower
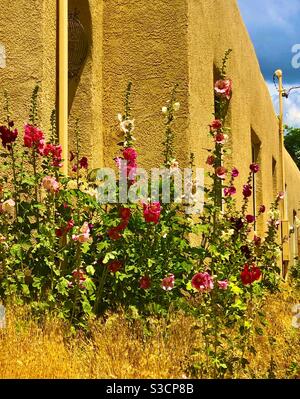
[247, 190]
[168, 282]
[115, 265]
[220, 138]
[85, 234]
[262, 209]
[210, 160]
[152, 212]
[223, 284]
[280, 195]
[234, 172]
[215, 125]
[8, 206]
[130, 154]
[223, 88]
[250, 274]
[228, 191]
[50, 184]
[83, 163]
[33, 137]
[118, 162]
[8, 136]
[250, 218]
[221, 172]
[254, 167]
[202, 282]
[145, 282]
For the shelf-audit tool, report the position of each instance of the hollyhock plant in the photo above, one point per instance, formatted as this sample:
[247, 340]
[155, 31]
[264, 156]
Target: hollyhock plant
[223, 88]
[168, 282]
[145, 282]
[152, 212]
[203, 282]
[221, 172]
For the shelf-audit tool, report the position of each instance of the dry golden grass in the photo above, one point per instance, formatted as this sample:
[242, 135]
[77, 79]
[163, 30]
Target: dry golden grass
[120, 349]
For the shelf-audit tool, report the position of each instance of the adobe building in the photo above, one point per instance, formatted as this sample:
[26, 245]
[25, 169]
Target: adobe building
[155, 44]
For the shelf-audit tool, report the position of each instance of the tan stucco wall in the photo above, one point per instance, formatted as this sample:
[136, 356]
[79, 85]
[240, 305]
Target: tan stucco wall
[28, 32]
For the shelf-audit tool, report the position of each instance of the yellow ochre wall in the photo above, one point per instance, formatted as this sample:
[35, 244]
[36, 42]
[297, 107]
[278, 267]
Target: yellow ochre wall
[155, 44]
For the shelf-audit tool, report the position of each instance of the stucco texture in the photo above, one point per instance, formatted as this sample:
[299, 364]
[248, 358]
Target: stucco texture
[28, 32]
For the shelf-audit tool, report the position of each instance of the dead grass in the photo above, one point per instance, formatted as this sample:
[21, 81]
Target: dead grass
[120, 349]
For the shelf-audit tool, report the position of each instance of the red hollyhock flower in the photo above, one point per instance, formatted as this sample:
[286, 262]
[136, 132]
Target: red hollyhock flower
[247, 190]
[79, 274]
[250, 274]
[262, 209]
[168, 282]
[115, 265]
[83, 163]
[152, 212]
[220, 138]
[254, 167]
[145, 282]
[59, 232]
[216, 125]
[202, 282]
[210, 160]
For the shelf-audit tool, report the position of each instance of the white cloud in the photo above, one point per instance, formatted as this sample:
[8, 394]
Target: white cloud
[291, 105]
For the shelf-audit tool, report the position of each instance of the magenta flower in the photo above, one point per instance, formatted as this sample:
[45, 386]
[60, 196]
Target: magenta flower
[262, 209]
[234, 172]
[220, 138]
[250, 218]
[247, 190]
[254, 167]
[228, 191]
[34, 137]
[168, 282]
[202, 282]
[130, 154]
[223, 284]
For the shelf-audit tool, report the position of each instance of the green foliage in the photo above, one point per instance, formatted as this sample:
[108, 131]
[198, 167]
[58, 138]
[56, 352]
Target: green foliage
[292, 143]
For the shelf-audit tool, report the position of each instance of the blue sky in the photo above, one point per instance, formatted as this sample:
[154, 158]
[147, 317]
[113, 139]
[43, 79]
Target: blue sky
[274, 27]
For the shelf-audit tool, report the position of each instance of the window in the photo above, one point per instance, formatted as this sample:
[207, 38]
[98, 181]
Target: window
[256, 177]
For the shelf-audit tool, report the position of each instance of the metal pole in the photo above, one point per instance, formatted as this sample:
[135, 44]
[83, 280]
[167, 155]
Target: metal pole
[284, 211]
[63, 80]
